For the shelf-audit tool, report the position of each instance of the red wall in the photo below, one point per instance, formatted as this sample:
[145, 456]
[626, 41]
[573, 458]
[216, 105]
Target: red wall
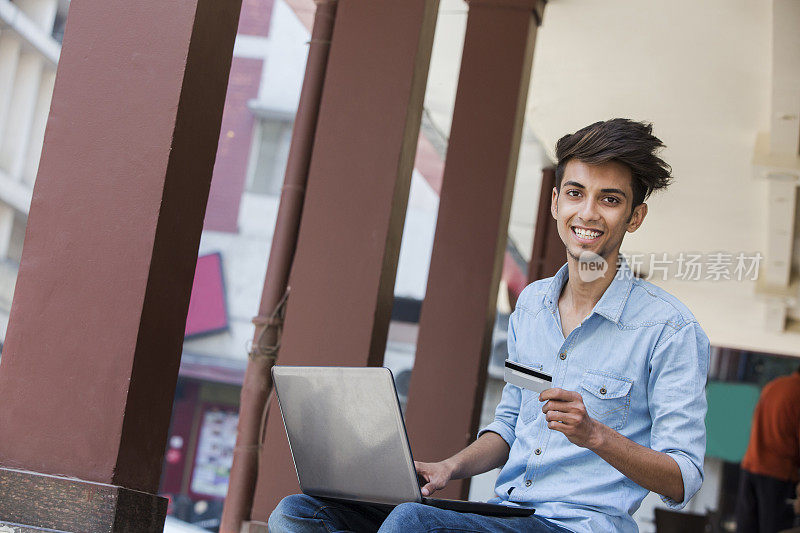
[233, 152]
[236, 134]
[255, 17]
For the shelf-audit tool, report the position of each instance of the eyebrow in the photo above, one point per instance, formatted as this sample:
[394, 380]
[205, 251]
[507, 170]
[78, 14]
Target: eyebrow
[580, 186]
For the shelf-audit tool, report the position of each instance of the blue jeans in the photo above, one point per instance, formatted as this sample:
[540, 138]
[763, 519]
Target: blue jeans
[305, 514]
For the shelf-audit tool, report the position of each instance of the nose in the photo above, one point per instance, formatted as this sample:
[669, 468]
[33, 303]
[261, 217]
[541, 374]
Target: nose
[589, 211]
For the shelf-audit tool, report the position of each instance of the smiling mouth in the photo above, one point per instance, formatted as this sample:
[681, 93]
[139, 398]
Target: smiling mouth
[585, 235]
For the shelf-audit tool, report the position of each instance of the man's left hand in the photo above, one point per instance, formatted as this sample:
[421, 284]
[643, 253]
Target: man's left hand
[565, 412]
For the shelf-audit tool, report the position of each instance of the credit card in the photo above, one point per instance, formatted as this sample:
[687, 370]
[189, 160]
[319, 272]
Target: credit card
[527, 377]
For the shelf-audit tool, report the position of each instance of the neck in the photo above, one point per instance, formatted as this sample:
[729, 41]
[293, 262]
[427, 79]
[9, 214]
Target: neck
[583, 295]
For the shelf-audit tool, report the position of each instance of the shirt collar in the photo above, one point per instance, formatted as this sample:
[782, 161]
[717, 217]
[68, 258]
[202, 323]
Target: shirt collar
[614, 298]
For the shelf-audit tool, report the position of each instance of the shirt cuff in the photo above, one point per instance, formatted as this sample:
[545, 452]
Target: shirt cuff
[501, 429]
[692, 479]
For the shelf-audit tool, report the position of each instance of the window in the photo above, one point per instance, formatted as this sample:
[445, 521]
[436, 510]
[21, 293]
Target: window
[273, 137]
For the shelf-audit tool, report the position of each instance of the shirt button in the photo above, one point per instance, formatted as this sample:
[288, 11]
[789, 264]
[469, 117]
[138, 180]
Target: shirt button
[563, 355]
[528, 483]
[538, 451]
[603, 390]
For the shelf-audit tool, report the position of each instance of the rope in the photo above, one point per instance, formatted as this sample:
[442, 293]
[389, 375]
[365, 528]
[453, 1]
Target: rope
[269, 352]
[262, 427]
[275, 320]
[262, 433]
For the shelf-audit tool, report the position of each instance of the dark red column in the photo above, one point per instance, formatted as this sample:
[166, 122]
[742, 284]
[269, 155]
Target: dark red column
[547, 253]
[94, 340]
[449, 376]
[343, 275]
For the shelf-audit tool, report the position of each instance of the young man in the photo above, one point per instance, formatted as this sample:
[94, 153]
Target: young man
[629, 362]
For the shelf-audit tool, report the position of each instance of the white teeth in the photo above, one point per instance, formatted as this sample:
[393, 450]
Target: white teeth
[586, 234]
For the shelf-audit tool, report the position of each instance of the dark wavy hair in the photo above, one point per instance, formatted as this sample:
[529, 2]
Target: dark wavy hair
[619, 139]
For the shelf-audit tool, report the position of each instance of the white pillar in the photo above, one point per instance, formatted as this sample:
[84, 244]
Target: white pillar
[41, 12]
[40, 115]
[785, 120]
[6, 227]
[14, 145]
[9, 59]
[784, 144]
[782, 197]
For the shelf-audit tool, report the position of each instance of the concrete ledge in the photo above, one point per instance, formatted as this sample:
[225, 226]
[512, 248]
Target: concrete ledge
[40, 502]
[250, 527]
[8, 527]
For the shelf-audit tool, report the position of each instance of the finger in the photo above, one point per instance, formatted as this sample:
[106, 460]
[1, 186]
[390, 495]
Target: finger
[422, 476]
[428, 489]
[555, 405]
[562, 418]
[551, 416]
[561, 427]
[559, 394]
[549, 394]
[568, 396]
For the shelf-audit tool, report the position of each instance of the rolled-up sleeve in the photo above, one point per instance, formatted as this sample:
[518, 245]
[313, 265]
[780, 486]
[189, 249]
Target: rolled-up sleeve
[505, 416]
[677, 402]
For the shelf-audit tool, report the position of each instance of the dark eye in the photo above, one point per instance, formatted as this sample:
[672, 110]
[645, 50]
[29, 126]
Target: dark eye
[613, 199]
[571, 191]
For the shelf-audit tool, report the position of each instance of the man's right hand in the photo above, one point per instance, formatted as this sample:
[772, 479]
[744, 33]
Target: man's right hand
[436, 475]
[489, 451]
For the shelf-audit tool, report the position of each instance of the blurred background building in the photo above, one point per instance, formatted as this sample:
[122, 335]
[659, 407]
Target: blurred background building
[30, 37]
[719, 80]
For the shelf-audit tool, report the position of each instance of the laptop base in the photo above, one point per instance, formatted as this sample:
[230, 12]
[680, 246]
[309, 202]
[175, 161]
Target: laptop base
[460, 506]
[481, 508]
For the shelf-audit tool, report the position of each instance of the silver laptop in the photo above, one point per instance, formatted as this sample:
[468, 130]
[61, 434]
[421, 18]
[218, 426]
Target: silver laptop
[349, 441]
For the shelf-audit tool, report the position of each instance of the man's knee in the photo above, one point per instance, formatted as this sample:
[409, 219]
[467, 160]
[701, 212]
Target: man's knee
[291, 508]
[411, 515]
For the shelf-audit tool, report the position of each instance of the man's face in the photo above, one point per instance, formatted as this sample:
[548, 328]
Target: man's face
[593, 208]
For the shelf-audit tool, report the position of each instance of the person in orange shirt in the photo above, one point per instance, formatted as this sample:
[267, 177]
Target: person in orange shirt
[770, 466]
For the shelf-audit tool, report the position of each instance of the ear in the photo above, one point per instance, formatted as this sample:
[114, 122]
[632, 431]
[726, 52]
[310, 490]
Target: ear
[637, 217]
[554, 203]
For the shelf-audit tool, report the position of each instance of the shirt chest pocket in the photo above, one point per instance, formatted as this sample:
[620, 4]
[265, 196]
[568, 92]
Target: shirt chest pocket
[531, 406]
[607, 397]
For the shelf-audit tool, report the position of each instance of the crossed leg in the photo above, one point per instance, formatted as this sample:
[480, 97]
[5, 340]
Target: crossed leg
[305, 514]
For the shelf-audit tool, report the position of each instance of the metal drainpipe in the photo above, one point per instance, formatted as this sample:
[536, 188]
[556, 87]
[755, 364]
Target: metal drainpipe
[257, 379]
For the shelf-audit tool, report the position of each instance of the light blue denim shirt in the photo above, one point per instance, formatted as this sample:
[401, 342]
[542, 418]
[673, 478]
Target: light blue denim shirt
[640, 362]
